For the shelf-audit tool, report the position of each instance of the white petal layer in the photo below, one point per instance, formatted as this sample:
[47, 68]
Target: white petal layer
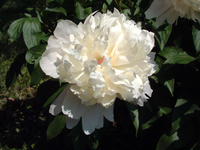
[70, 105]
[170, 10]
[104, 58]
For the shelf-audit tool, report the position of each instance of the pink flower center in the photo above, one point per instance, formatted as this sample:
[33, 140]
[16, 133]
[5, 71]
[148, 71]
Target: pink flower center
[101, 60]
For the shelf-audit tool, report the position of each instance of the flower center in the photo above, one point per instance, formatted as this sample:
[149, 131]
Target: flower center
[100, 60]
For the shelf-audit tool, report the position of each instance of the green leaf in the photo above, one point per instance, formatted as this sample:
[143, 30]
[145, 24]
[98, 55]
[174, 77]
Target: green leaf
[147, 116]
[34, 53]
[185, 134]
[93, 139]
[165, 141]
[57, 10]
[181, 58]
[170, 85]
[196, 39]
[81, 12]
[167, 79]
[53, 97]
[37, 75]
[181, 106]
[104, 8]
[48, 1]
[27, 15]
[165, 110]
[38, 16]
[56, 126]
[15, 69]
[109, 2]
[133, 110]
[182, 109]
[15, 29]
[168, 52]
[78, 139]
[41, 36]
[127, 13]
[196, 146]
[31, 25]
[164, 34]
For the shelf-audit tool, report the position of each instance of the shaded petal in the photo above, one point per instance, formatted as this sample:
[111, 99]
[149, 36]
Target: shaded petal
[91, 119]
[55, 107]
[172, 16]
[109, 113]
[72, 106]
[70, 123]
[157, 8]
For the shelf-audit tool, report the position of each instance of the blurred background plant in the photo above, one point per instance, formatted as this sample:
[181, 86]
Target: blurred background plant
[169, 120]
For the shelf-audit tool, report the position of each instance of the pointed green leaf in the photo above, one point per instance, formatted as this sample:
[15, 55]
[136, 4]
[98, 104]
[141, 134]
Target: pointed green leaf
[170, 85]
[133, 110]
[41, 36]
[81, 12]
[181, 58]
[196, 146]
[53, 97]
[164, 34]
[15, 29]
[196, 39]
[34, 53]
[38, 16]
[165, 110]
[181, 109]
[165, 141]
[56, 126]
[167, 80]
[168, 52]
[57, 10]
[31, 25]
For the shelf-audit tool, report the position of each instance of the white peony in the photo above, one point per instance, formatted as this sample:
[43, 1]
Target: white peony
[172, 9]
[103, 58]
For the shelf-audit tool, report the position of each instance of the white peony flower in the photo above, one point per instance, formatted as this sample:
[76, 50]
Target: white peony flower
[172, 9]
[103, 58]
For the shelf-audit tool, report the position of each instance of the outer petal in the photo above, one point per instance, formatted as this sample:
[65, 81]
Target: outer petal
[72, 106]
[172, 16]
[70, 123]
[91, 119]
[49, 62]
[64, 29]
[108, 113]
[53, 42]
[157, 8]
[55, 107]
